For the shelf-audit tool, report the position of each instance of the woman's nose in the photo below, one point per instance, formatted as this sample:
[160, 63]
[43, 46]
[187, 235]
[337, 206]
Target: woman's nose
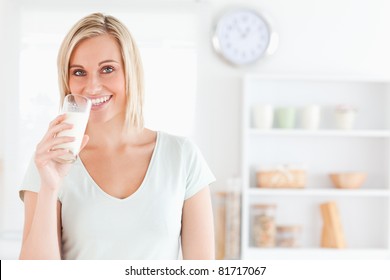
[93, 85]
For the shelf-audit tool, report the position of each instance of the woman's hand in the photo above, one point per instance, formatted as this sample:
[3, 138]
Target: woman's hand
[51, 171]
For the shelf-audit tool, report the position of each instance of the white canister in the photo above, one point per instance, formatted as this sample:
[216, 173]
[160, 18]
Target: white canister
[311, 117]
[345, 120]
[345, 116]
[263, 116]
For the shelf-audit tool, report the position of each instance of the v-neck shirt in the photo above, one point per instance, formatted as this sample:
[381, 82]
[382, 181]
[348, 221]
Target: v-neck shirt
[144, 225]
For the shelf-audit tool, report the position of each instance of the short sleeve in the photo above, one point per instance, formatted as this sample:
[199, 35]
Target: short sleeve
[198, 173]
[31, 180]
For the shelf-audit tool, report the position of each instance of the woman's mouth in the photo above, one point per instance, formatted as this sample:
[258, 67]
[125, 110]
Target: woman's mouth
[100, 102]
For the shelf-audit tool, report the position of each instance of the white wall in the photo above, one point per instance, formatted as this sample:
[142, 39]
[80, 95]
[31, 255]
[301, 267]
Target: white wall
[316, 37]
[2, 15]
[9, 51]
[9, 242]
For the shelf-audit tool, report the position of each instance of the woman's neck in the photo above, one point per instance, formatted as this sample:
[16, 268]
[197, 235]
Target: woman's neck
[111, 135]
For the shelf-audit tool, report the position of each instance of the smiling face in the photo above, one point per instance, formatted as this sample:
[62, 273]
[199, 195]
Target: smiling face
[96, 71]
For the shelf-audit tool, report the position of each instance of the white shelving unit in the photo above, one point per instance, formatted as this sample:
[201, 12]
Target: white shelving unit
[364, 212]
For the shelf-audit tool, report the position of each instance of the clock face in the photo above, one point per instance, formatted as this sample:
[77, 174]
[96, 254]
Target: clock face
[242, 37]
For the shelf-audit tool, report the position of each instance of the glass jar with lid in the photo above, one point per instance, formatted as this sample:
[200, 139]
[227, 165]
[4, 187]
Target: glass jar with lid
[288, 236]
[263, 225]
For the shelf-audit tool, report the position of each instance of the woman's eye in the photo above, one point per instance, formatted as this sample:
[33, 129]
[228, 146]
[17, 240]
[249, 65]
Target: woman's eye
[107, 69]
[79, 73]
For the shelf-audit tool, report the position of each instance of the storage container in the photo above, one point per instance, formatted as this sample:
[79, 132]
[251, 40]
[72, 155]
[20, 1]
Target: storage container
[263, 225]
[288, 236]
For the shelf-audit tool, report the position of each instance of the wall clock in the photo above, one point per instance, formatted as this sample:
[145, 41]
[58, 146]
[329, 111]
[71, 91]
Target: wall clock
[242, 36]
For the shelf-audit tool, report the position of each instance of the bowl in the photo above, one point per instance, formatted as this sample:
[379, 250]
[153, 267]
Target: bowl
[348, 180]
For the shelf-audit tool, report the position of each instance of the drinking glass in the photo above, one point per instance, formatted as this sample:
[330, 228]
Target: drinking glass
[77, 109]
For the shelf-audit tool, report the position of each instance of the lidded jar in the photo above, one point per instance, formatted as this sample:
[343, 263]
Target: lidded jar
[288, 236]
[263, 225]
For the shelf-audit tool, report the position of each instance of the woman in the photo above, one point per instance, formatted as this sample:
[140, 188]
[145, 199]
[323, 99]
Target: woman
[133, 193]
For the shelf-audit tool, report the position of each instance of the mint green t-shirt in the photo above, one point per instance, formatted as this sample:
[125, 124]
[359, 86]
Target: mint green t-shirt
[145, 225]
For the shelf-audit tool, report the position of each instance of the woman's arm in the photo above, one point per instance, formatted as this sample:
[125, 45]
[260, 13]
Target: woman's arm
[42, 226]
[197, 233]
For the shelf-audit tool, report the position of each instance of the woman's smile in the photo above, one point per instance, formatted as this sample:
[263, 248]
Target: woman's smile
[100, 102]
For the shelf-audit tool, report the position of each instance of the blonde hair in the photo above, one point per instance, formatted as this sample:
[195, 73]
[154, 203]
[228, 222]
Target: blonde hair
[98, 24]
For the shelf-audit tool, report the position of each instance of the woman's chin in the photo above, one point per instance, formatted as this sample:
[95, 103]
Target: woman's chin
[101, 118]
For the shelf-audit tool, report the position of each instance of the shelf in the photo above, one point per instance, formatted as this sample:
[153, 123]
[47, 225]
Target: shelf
[321, 132]
[320, 192]
[365, 147]
[316, 253]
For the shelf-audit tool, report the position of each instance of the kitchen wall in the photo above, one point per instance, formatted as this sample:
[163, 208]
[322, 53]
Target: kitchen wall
[8, 81]
[10, 239]
[2, 117]
[334, 37]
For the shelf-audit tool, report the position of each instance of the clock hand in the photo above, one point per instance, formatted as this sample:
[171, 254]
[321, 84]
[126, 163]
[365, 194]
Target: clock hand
[247, 31]
[244, 32]
[238, 27]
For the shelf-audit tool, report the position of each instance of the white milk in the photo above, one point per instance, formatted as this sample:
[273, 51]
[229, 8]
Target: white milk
[79, 121]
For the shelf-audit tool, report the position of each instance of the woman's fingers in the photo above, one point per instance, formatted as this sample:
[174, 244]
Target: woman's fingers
[42, 158]
[52, 143]
[54, 130]
[46, 149]
[60, 127]
[57, 120]
[55, 126]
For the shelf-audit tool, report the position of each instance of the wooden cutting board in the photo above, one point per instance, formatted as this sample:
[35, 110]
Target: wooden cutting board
[332, 231]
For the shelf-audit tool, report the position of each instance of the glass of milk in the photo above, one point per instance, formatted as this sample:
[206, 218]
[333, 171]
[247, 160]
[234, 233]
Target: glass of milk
[77, 109]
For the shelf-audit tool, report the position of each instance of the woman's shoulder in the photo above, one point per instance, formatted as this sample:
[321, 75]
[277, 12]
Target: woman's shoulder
[181, 145]
[173, 140]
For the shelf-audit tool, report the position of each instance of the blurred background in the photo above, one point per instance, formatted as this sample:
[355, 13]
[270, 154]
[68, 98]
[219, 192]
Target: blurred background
[329, 52]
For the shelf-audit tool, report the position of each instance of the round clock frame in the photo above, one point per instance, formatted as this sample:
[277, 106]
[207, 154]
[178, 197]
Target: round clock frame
[242, 36]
